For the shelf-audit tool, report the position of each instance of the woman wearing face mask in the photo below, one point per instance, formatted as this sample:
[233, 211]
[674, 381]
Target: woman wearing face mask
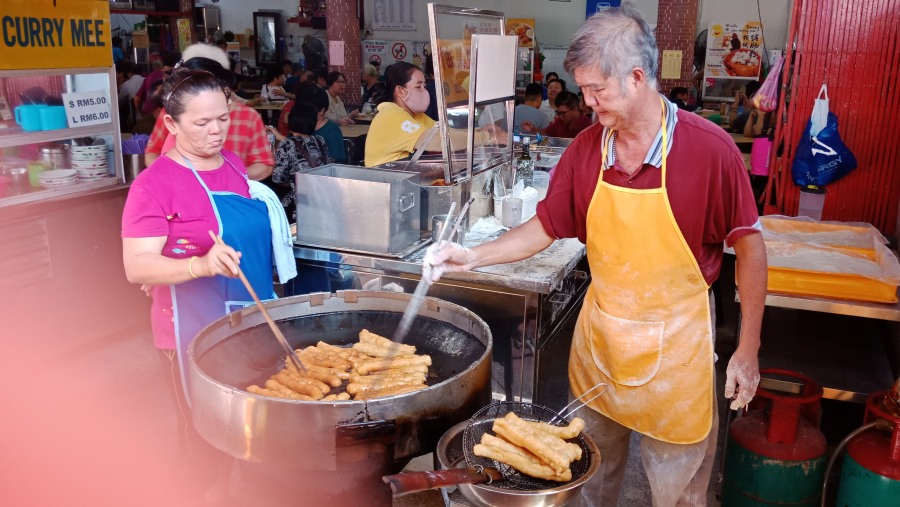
[396, 132]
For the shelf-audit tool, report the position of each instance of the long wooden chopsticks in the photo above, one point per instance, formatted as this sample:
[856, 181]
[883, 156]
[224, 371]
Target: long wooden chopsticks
[277, 332]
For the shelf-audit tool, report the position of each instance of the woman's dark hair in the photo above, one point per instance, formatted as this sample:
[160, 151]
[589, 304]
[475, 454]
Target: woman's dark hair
[396, 75]
[547, 77]
[332, 77]
[310, 92]
[303, 118]
[272, 73]
[225, 76]
[185, 84]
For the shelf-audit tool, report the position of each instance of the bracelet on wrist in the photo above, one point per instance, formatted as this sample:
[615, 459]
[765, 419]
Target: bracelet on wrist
[191, 267]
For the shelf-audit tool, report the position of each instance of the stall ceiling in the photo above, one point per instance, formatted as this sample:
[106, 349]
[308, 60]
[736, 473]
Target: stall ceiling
[854, 48]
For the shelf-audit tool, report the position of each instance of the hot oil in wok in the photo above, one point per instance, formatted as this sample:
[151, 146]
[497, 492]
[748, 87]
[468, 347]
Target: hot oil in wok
[452, 350]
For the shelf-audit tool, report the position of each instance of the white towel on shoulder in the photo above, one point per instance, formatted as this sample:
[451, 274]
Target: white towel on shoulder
[282, 242]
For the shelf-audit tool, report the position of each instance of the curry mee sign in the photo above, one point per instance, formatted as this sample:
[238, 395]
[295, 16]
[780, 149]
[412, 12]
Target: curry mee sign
[54, 34]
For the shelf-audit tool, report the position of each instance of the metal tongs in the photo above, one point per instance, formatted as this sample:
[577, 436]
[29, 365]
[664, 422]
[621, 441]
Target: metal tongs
[277, 332]
[418, 296]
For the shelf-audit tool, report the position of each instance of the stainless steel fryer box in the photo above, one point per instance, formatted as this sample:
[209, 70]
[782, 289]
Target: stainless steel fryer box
[358, 208]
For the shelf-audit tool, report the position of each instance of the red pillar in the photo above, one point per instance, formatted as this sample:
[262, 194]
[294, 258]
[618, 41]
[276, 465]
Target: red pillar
[343, 25]
[676, 29]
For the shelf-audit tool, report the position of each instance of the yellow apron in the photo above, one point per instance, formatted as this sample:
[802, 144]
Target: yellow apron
[645, 326]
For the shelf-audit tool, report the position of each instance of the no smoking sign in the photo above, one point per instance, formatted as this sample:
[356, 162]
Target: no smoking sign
[398, 50]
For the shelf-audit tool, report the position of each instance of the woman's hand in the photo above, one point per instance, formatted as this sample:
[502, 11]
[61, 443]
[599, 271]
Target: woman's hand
[276, 133]
[220, 260]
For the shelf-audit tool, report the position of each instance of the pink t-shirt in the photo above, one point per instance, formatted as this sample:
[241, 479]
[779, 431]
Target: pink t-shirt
[167, 200]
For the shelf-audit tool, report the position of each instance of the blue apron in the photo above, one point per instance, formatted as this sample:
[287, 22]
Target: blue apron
[243, 225]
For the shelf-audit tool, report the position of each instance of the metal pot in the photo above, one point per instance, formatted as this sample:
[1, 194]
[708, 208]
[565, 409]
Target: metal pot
[449, 454]
[59, 155]
[333, 453]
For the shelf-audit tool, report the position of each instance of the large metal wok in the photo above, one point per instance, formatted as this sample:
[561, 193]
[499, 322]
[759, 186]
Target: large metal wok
[339, 449]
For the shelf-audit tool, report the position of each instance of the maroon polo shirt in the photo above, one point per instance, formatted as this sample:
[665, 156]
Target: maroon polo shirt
[707, 186]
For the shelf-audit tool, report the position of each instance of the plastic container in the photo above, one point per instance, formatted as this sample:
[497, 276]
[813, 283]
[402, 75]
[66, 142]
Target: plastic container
[53, 118]
[541, 184]
[811, 203]
[29, 117]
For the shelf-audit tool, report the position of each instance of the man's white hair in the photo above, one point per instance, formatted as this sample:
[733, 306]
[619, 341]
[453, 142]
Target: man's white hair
[207, 51]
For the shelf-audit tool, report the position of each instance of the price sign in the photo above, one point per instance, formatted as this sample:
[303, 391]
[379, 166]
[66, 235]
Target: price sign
[86, 108]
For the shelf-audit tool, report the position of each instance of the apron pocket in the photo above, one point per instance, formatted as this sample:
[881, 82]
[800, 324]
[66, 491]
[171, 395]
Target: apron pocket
[629, 352]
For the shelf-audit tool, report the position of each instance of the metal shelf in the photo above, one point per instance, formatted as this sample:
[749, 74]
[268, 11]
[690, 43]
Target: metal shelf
[47, 194]
[46, 136]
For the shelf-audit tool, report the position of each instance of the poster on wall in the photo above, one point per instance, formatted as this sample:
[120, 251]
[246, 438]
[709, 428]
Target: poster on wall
[373, 52]
[595, 6]
[382, 53]
[394, 15]
[184, 32]
[454, 62]
[734, 50]
[523, 29]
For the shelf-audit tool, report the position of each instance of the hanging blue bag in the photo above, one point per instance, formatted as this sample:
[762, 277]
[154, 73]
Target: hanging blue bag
[821, 157]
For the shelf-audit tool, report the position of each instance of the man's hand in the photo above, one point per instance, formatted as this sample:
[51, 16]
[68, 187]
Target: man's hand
[445, 256]
[741, 377]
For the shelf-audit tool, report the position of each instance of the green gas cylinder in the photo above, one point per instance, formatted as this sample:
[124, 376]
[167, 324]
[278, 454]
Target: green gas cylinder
[775, 453]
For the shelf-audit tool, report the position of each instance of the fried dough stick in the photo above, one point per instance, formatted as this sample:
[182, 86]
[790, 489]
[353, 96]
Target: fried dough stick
[275, 394]
[571, 450]
[336, 397]
[359, 387]
[366, 336]
[563, 432]
[302, 385]
[388, 391]
[549, 448]
[378, 351]
[328, 376]
[320, 357]
[346, 352]
[413, 377]
[372, 365]
[522, 460]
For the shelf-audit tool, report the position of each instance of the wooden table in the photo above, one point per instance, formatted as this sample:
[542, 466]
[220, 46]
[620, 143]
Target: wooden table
[271, 106]
[266, 111]
[364, 119]
[354, 131]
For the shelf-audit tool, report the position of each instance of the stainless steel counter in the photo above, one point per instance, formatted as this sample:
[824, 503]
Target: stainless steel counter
[542, 273]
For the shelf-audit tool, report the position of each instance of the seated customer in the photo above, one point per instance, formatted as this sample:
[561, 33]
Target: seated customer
[337, 112]
[274, 91]
[396, 132]
[742, 106]
[678, 96]
[325, 128]
[569, 119]
[300, 151]
[528, 118]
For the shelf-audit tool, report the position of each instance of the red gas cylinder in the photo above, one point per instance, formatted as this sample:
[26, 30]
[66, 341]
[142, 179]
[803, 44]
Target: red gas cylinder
[871, 471]
[775, 454]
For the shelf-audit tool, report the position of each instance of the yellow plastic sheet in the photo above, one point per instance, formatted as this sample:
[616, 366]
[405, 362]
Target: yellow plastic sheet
[829, 259]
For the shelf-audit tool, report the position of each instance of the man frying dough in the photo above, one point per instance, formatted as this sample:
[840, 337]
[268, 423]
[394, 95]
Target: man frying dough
[652, 192]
